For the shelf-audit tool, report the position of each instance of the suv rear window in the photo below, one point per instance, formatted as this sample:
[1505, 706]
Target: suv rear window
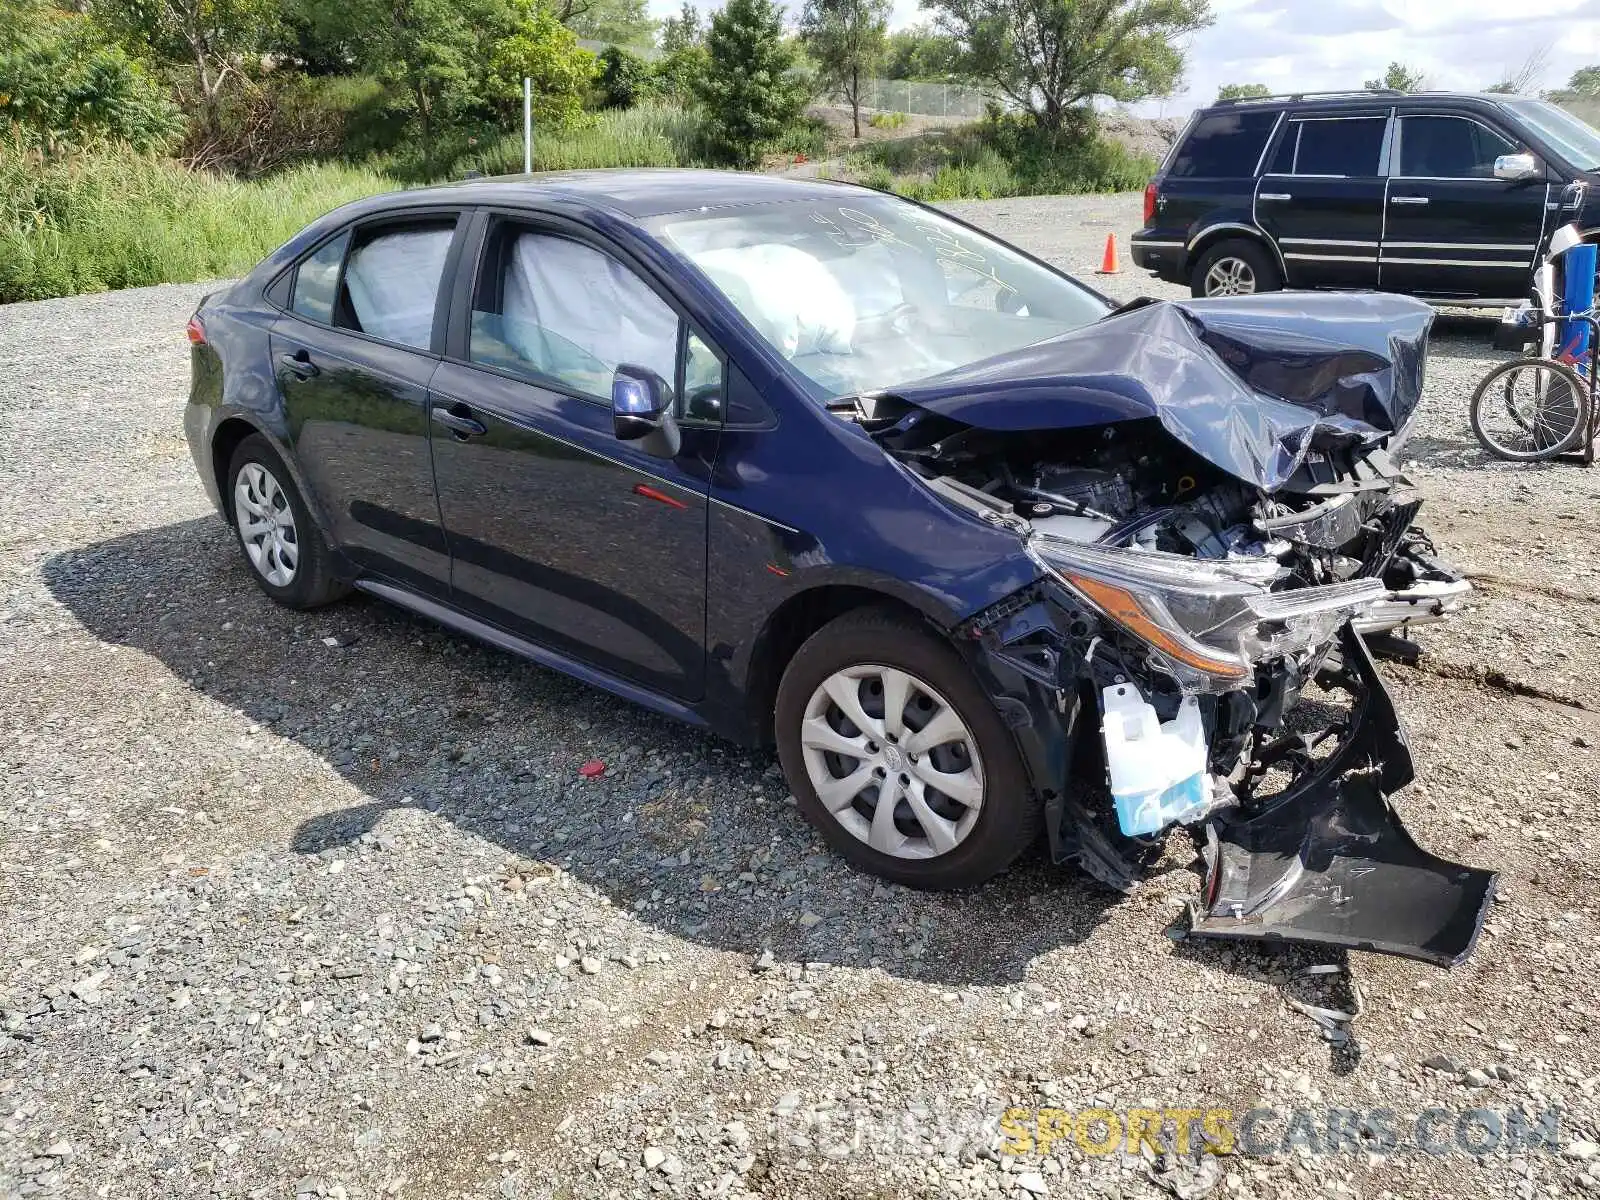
[1340, 146]
[1224, 145]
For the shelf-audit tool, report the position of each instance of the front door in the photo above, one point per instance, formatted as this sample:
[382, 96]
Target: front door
[1321, 199]
[1453, 230]
[353, 362]
[558, 531]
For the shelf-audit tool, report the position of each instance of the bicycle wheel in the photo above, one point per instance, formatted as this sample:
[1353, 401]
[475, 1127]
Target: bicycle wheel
[1530, 409]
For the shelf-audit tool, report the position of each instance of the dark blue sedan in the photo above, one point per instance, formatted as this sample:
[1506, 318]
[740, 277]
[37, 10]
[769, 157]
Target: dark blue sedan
[816, 467]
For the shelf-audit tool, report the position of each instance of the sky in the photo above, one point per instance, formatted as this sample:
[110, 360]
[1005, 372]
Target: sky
[1317, 45]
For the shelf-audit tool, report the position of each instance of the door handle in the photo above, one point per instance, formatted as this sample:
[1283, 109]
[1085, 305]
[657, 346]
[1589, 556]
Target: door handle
[1275, 196]
[300, 365]
[458, 419]
[1408, 199]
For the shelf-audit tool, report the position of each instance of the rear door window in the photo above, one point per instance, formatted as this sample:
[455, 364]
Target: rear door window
[1224, 145]
[1349, 146]
[1449, 148]
[391, 283]
[316, 280]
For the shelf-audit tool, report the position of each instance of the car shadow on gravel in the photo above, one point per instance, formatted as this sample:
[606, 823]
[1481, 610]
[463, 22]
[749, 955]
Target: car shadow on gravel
[691, 834]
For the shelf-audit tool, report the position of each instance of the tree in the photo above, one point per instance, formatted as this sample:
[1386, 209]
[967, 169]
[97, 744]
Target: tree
[222, 40]
[1520, 80]
[621, 22]
[625, 78]
[1051, 57]
[62, 84]
[920, 53]
[845, 39]
[547, 52]
[1243, 91]
[1585, 81]
[1398, 78]
[746, 88]
[682, 31]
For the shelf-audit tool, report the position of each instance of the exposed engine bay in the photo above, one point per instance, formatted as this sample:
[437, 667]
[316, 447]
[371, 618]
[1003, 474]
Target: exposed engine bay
[1216, 574]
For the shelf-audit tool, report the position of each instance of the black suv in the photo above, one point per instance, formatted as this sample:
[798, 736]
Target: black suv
[1444, 196]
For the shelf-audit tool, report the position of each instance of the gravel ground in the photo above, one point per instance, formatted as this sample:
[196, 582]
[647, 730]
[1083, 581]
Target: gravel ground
[284, 917]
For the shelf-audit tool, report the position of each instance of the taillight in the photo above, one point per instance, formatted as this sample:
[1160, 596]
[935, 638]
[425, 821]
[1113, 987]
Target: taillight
[196, 331]
[1150, 202]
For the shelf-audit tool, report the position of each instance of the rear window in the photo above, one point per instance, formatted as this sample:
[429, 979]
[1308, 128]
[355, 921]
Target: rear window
[1224, 145]
[1344, 146]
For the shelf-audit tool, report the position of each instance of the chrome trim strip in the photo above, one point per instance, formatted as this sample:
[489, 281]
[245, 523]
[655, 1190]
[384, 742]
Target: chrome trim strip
[1461, 246]
[1451, 262]
[1325, 242]
[1359, 258]
[1261, 159]
[1136, 240]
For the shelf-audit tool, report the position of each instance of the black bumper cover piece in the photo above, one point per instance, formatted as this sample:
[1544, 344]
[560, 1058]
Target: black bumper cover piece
[1328, 861]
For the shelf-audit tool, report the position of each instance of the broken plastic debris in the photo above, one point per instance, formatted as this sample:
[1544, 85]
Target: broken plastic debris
[592, 769]
[1335, 1022]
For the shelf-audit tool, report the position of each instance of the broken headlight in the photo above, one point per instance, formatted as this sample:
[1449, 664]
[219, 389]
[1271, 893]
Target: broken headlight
[1207, 622]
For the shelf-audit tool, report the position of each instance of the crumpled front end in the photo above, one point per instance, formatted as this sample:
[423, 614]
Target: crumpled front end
[1298, 763]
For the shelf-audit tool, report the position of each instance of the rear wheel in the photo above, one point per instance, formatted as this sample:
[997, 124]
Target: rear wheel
[898, 757]
[1530, 409]
[1235, 267]
[281, 543]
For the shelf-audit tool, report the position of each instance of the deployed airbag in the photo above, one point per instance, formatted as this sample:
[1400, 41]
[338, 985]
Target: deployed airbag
[1253, 384]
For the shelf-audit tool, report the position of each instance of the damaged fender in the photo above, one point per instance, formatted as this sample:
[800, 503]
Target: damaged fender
[1328, 861]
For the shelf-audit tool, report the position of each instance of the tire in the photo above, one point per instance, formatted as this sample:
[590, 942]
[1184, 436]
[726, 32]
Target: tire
[1241, 259]
[989, 835]
[296, 568]
[1520, 440]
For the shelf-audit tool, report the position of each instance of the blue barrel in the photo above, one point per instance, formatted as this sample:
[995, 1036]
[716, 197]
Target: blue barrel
[1578, 269]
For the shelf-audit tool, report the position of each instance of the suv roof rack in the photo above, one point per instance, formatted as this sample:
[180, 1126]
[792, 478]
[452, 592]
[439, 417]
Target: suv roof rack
[1307, 96]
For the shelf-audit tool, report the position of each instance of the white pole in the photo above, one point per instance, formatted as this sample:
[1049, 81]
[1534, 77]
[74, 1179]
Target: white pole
[527, 125]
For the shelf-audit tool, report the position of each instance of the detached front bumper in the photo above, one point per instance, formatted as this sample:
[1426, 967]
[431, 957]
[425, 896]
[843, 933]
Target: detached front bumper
[1328, 861]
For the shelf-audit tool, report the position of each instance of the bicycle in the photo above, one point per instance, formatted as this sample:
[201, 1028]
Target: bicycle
[1535, 409]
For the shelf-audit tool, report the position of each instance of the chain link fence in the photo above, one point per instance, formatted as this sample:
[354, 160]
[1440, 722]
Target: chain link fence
[955, 101]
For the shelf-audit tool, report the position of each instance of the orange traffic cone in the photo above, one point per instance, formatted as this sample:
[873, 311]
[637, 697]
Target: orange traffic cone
[1108, 265]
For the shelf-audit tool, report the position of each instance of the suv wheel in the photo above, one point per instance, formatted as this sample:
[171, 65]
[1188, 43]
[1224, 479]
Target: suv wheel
[898, 758]
[281, 543]
[1235, 267]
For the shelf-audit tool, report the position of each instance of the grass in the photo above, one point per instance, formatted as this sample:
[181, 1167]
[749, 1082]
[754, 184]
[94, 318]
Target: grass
[997, 158]
[647, 135]
[112, 219]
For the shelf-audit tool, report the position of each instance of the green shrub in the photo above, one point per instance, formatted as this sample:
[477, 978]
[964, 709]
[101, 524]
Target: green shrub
[887, 120]
[625, 78]
[113, 219]
[1004, 156]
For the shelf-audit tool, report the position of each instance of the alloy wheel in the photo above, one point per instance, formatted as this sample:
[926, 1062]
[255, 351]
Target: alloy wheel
[892, 761]
[1230, 277]
[266, 524]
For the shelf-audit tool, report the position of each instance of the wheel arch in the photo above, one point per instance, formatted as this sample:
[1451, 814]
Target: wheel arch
[796, 619]
[226, 437]
[1222, 231]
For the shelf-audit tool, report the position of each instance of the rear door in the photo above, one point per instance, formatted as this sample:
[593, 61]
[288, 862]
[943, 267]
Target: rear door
[1321, 198]
[353, 359]
[1453, 230]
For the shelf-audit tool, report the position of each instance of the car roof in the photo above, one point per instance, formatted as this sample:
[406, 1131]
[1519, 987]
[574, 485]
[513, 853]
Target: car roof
[1339, 101]
[633, 193]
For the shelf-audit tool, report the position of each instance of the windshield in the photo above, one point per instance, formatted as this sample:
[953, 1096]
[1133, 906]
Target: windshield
[867, 292]
[1572, 138]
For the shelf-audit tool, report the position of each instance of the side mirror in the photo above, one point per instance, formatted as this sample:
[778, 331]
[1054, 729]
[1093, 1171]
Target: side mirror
[1516, 166]
[641, 411]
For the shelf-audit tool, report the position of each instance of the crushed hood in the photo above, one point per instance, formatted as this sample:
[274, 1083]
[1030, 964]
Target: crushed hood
[1253, 384]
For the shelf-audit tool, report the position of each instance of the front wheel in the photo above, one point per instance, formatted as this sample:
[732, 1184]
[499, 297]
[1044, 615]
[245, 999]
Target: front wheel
[1235, 267]
[897, 756]
[1530, 409]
